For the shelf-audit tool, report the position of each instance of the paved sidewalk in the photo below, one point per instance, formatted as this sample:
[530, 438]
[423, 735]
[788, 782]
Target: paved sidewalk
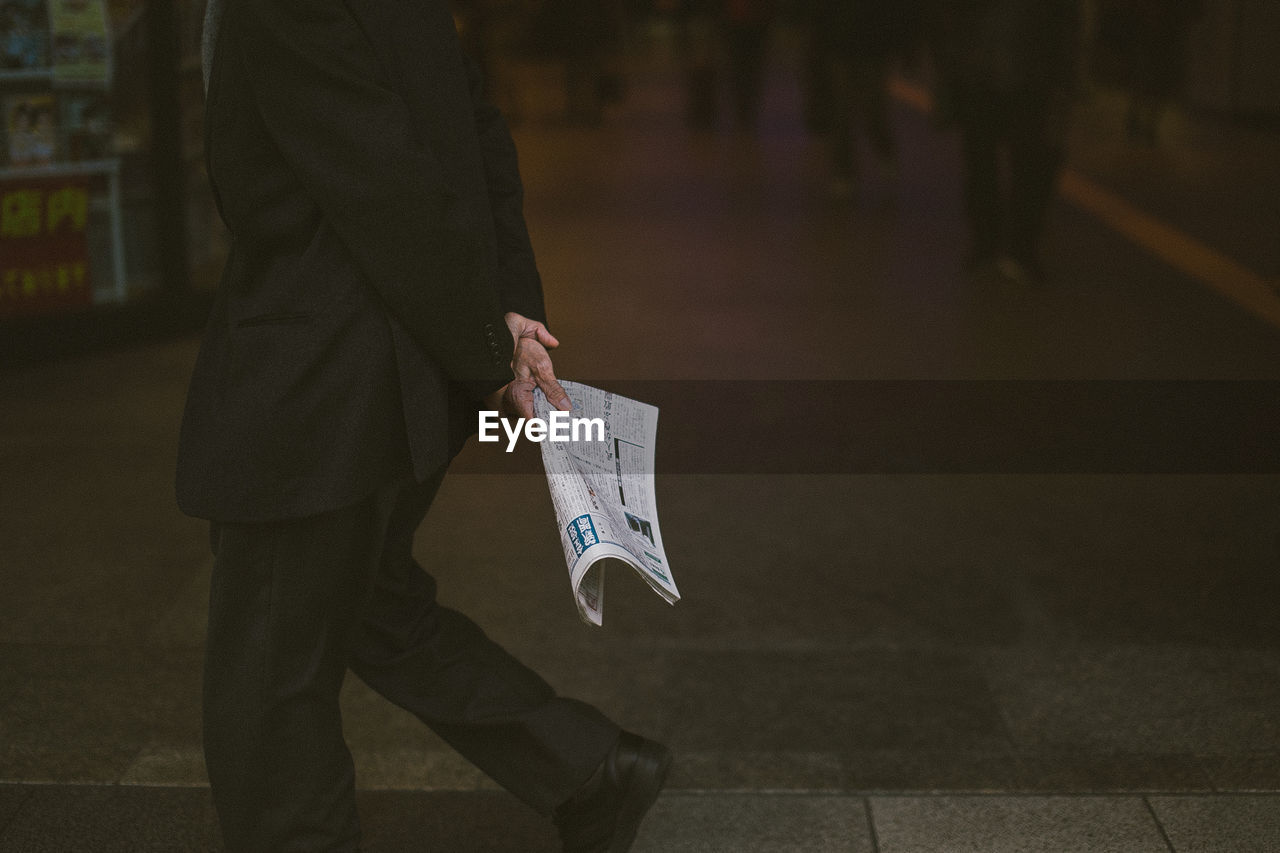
[140, 820]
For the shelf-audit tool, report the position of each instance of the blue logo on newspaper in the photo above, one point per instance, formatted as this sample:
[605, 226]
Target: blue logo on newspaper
[582, 533]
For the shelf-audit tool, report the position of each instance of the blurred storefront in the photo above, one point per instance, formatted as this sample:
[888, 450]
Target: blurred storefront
[104, 207]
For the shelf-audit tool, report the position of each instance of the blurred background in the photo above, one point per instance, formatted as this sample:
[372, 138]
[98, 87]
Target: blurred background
[963, 318]
[115, 87]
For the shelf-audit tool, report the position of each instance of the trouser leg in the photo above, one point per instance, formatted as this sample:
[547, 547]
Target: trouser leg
[746, 49]
[701, 96]
[817, 88]
[440, 666]
[873, 80]
[282, 602]
[843, 98]
[1035, 160]
[981, 139]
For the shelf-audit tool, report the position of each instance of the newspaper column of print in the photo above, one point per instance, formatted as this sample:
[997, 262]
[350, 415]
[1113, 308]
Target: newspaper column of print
[44, 254]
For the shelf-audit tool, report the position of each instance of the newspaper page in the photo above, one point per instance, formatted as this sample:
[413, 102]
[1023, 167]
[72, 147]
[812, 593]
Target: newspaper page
[601, 484]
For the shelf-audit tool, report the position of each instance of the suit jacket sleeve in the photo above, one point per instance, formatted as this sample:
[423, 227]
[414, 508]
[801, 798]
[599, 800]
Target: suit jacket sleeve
[326, 102]
[519, 283]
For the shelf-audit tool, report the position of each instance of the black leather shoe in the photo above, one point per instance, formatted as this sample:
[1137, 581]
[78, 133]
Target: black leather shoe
[604, 815]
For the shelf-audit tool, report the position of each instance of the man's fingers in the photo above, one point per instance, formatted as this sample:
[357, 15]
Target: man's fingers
[532, 363]
[556, 395]
[544, 337]
[517, 396]
[543, 373]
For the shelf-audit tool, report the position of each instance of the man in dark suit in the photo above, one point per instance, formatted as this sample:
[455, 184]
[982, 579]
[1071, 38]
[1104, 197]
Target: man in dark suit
[379, 288]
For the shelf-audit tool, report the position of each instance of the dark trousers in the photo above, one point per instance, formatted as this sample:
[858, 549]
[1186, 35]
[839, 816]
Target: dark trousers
[1019, 128]
[293, 605]
[746, 45]
[859, 97]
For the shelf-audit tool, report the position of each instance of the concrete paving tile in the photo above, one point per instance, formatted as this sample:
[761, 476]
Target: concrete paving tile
[999, 560]
[167, 765]
[948, 583]
[183, 615]
[762, 588]
[413, 770]
[1238, 823]
[754, 823]
[872, 699]
[73, 763]
[1015, 825]
[757, 587]
[11, 799]
[972, 560]
[485, 822]
[1160, 560]
[92, 588]
[910, 770]
[1081, 772]
[420, 769]
[1250, 771]
[1008, 772]
[754, 771]
[1139, 700]
[113, 819]
[99, 544]
[83, 713]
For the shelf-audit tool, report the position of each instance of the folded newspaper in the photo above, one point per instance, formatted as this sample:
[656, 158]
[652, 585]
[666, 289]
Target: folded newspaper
[601, 484]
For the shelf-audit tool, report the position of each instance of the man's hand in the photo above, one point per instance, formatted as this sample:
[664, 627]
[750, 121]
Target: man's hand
[532, 366]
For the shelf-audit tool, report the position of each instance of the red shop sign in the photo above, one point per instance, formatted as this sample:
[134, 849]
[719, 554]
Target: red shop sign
[44, 255]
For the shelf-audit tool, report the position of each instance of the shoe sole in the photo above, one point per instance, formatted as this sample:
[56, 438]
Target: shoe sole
[640, 797]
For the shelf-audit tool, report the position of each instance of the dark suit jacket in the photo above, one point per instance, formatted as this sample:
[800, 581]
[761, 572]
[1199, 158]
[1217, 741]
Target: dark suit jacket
[374, 205]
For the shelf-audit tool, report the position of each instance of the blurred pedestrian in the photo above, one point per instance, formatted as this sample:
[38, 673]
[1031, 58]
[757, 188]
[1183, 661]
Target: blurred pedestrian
[1156, 61]
[1006, 75]
[747, 25]
[856, 43]
[699, 20]
[587, 35]
[492, 32]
